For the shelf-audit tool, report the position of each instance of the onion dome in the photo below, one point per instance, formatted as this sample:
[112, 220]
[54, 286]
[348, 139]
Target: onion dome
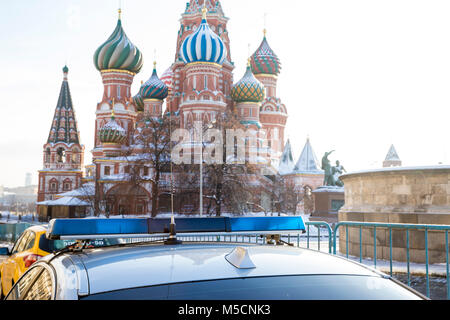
[112, 132]
[167, 78]
[118, 53]
[203, 45]
[138, 102]
[154, 88]
[264, 60]
[248, 89]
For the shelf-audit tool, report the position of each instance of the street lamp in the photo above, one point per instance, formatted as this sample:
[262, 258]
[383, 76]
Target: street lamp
[210, 126]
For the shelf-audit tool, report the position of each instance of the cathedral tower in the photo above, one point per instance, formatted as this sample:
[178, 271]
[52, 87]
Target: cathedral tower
[248, 93]
[273, 114]
[118, 61]
[153, 93]
[201, 76]
[63, 155]
[203, 53]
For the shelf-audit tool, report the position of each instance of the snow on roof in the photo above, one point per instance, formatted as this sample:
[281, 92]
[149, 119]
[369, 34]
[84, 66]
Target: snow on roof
[329, 189]
[436, 167]
[85, 191]
[307, 163]
[287, 160]
[66, 202]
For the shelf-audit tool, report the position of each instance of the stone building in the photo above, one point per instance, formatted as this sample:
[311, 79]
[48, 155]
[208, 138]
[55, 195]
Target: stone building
[414, 195]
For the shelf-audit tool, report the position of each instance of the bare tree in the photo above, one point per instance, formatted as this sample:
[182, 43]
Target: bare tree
[293, 196]
[228, 182]
[149, 155]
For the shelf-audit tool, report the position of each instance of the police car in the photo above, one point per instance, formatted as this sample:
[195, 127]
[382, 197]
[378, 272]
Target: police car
[168, 269]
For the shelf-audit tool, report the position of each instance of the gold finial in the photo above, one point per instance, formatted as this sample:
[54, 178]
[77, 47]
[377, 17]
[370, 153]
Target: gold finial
[249, 62]
[154, 65]
[204, 11]
[265, 24]
[120, 14]
[113, 114]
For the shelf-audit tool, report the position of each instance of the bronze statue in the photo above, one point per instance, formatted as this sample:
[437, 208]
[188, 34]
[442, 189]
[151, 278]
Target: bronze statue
[326, 166]
[332, 174]
[337, 171]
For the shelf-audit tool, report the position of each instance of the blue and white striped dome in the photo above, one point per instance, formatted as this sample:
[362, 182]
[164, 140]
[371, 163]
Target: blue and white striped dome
[203, 46]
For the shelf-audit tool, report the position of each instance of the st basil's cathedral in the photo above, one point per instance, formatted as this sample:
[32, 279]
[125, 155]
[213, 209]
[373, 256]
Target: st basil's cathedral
[197, 87]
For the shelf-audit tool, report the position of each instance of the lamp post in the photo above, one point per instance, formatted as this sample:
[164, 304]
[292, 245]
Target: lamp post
[201, 174]
[210, 126]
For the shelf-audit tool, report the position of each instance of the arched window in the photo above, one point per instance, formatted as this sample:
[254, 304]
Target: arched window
[61, 154]
[67, 185]
[53, 185]
[107, 171]
[47, 155]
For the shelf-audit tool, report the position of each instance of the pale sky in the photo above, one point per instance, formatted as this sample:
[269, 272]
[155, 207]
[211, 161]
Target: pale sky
[357, 75]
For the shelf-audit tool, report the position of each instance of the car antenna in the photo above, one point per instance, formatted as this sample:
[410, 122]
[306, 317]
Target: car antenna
[173, 234]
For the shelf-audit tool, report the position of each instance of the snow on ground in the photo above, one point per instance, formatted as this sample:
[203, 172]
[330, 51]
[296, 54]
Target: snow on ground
[11, 218]
[438, 269]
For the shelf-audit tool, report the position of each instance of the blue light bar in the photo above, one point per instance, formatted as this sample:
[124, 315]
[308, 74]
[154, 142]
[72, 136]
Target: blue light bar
[123, 228]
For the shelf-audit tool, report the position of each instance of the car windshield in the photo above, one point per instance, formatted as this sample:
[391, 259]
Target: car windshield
[311, 287]
[55, 245]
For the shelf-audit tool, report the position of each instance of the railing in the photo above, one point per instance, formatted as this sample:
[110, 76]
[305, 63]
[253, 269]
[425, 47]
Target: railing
[304, 239]
[11, 232]
[396, 226]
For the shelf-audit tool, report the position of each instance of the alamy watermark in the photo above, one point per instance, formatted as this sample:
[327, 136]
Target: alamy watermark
[214, 146]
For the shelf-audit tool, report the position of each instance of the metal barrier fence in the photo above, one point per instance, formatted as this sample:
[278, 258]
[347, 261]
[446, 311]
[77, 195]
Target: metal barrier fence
[309, 240]
[396, 226]
[11, 232]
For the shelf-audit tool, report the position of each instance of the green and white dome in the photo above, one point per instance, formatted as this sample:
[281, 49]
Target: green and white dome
[118, 53]
[112, 132]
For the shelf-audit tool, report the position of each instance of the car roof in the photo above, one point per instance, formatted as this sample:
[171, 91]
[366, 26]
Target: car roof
[37, 229]
[117, 268]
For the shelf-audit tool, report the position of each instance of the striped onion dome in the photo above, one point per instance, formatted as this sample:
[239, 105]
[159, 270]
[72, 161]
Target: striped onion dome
[138, 102]
[118, 53]
[154, 88]
[264, 60]
[112, 132]
[203, 45]
[248, 89]
[167, 78]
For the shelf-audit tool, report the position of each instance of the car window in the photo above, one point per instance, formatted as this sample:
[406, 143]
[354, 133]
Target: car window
[316, 287]
[18, 242]
[30, 241]
[23, 241]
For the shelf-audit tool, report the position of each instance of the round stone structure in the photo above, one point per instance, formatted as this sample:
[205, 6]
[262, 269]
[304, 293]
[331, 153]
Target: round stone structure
[412, 195]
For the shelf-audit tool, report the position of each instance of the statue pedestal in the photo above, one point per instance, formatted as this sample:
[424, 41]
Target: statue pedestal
[327, 203]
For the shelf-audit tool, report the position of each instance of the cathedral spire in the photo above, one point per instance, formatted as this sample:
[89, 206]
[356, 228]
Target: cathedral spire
[392, 158]
[308, 161]
[64, 125]
[287, 160]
